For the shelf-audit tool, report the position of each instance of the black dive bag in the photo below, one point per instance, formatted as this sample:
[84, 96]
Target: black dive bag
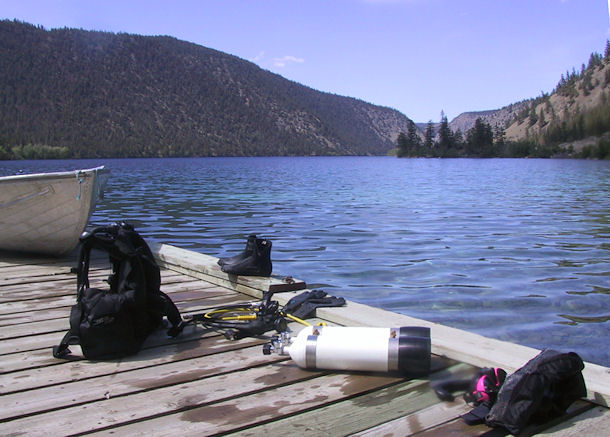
[113, 323]
[539, 391]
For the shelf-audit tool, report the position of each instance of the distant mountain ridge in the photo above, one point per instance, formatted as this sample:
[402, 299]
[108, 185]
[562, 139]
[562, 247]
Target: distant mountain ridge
[119, 95]
[496, 117]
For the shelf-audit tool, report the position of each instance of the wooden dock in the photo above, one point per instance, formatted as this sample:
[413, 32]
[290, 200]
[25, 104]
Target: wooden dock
[202, 383]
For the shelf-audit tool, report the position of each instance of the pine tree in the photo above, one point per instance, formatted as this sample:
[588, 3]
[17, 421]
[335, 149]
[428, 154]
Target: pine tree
[542, 118]
[409, 144]
[533, 116]
[402, 143]
[458, 139]
[414, 139]
[480, 139]
[499, 135]
[429, 137]
[445, 136]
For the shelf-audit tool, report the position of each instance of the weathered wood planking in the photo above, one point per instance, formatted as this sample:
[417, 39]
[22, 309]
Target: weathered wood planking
[426, 418]
[370, 409]
[221, 358]
[453, 343]
[593, 422]
[202, 383]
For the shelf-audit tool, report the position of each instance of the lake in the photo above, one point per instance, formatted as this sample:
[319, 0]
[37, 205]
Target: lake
[516, 249]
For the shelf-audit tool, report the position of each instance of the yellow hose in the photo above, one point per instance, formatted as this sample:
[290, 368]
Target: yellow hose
[252, 316]
[296, 319]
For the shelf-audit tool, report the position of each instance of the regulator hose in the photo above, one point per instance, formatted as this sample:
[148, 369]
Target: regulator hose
[253, 319]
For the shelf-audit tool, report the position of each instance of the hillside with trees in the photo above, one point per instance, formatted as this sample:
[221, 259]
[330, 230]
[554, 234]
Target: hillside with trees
[572, 121]
[575, 118]
[76, 93]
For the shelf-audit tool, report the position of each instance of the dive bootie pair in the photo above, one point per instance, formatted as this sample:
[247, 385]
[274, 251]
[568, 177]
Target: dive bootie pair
[248, 251]
[251, 263]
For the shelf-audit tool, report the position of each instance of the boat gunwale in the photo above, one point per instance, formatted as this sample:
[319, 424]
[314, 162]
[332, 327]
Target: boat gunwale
[56, 175]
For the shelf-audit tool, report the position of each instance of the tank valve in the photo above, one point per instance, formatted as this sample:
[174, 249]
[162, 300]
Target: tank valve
[277, 344]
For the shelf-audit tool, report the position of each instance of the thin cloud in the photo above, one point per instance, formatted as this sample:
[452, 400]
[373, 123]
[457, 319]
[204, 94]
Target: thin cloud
[285, 60]
[258, 58]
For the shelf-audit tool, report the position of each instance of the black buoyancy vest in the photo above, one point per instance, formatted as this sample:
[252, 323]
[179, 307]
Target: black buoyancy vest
[113, 323]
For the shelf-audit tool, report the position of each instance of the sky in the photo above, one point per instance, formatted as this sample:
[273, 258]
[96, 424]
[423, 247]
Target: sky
[420, 57]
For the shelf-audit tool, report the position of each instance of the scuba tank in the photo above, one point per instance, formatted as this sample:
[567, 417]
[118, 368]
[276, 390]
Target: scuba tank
[405, 349]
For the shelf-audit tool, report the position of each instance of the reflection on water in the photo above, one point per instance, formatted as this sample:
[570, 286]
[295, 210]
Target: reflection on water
[514, 249]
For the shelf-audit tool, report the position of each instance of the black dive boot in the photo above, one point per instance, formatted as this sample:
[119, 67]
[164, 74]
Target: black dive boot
[249, 250]
[257, 264]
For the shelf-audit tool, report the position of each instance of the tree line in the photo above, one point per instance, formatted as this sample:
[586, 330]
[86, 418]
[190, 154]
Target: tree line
[482, 140]
[485, 141]
[33, 151]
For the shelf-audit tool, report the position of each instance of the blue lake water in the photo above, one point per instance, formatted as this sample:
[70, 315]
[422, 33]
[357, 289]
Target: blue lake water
[516, 249]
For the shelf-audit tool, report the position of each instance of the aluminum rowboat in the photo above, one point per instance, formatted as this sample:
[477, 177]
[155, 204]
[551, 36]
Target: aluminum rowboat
[47, 212]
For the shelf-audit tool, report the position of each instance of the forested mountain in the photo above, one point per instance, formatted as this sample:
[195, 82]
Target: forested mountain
[91, 94]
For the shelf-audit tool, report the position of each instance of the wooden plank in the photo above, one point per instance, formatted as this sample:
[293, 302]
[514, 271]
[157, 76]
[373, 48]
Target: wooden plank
[114, 385]
[43, 288]
[363, 412]
[58, 300]
[24, 276]
[419, 421]
[247, 410]
[15, 259]
[27, 361]
[594, 422]
[175, 398]
[36, 304]
[57, 270]
[24, 344]
[26, 329]
[34, 316]
[47, 290]
[181, 294]
[38, 290]
[58, 286]
[29, 274]
[195, 345]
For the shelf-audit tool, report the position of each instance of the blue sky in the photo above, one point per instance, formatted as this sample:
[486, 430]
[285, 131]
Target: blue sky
[417, 56]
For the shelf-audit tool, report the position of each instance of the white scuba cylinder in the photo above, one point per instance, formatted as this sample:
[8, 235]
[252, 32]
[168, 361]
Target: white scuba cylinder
[405, 349]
